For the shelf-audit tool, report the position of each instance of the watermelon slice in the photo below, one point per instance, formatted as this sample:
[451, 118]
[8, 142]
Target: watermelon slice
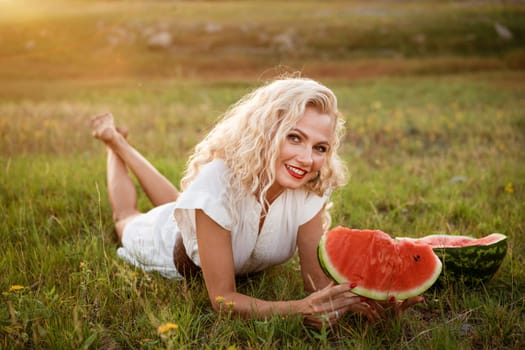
[382, 268]
[467, 259]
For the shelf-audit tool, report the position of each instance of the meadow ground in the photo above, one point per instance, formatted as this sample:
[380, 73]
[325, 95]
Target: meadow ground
[434, 102]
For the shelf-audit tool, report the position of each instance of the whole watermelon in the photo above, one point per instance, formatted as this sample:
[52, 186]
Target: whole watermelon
[466, 259]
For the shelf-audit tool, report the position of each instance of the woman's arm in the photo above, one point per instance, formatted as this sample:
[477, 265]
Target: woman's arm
[308, 238]
[216, 257]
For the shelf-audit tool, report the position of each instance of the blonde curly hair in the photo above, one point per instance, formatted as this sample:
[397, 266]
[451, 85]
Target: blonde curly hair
[249, 135]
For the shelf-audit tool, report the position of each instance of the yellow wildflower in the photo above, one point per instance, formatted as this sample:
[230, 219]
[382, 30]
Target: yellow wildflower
[377, 105]
[219, 300]
[509, 188]
[231, 347]
[230, 304]
[15, 287]
[166, 327]
[82, 264]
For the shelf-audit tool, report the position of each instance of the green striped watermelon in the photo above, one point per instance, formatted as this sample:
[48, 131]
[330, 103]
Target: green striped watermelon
[467, 259]
[381, 268]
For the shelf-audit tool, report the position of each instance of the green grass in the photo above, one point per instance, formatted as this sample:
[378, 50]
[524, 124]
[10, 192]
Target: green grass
[407, 138]
[435, 143]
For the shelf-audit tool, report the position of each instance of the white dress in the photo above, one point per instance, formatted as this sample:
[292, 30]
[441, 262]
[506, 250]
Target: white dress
[149, 239]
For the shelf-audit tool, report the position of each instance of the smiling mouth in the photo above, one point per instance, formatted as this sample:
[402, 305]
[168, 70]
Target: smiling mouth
[295, 172]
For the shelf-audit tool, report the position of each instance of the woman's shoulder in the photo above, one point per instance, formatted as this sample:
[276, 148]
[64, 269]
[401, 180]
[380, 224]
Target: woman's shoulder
[214, 168]
[215, 165]
[210, 174]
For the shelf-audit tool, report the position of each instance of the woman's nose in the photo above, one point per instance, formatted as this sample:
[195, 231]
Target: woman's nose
[305, 157]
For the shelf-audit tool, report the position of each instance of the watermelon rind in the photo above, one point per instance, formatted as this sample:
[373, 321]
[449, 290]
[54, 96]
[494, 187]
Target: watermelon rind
[471, 264]
[375, 294]
[325, 263]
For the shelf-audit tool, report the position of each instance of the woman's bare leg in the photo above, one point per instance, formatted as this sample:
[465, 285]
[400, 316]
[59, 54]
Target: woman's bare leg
[122, 192]
[121, 157]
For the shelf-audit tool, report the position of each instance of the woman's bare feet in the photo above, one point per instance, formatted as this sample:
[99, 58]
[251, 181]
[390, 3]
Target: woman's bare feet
[103, 127]
[104, 121]
[123, 131]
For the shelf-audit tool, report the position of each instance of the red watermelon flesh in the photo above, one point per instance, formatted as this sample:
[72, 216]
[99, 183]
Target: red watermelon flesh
[447, 241]
[381, 267]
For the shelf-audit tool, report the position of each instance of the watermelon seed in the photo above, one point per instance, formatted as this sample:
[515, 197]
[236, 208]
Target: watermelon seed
[416, 258]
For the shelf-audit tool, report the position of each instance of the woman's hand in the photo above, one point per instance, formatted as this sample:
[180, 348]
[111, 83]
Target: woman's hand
[394, 308]
[326, 306]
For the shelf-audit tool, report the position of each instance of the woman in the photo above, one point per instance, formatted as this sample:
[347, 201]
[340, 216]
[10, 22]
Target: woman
[254, 192]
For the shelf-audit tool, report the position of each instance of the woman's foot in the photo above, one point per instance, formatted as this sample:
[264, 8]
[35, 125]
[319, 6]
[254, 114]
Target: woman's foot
[104, 129]
[123, 131]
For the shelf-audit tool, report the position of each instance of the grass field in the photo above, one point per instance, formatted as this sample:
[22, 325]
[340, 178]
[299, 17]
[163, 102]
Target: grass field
[434, 102]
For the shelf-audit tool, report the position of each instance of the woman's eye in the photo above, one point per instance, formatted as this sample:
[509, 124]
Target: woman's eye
[321, 149]
[294, 138]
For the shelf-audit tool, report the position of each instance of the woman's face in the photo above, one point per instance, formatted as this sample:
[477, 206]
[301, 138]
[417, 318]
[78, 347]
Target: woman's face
[304, 150]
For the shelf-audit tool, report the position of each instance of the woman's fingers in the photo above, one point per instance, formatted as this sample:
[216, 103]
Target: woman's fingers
[379, 308]
[329, 308]
[334, 301]
[328, 298]
[409, 302]
[335, 298]
[396, 308]
[329, 318]
[330, 303]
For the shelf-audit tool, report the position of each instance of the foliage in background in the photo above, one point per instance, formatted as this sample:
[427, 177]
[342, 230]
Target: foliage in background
[225, 39]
